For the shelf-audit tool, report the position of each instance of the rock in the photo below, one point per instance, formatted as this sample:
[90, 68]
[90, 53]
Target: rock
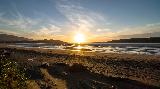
[44, 65]
[30, 59]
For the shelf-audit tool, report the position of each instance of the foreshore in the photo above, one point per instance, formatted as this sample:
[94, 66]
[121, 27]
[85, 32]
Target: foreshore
[88, 69]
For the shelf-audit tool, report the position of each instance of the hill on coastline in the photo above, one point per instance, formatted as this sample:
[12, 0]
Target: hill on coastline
[137, 40]
[10, 38]
[5, 38]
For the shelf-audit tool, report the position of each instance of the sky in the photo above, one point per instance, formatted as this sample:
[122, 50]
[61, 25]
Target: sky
[97, 20]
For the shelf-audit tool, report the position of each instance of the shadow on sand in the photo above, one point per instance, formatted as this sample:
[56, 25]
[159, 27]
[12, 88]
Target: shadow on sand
[78, 77]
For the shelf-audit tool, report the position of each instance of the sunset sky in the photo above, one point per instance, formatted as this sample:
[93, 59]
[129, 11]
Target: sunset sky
[97, 20]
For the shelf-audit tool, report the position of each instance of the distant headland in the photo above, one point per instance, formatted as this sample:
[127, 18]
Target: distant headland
[5, 38]
[137, 40]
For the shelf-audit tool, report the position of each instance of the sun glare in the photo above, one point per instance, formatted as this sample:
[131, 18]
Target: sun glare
[79, 38]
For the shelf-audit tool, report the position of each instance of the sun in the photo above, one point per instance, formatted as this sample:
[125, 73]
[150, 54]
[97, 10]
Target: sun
[79, 38]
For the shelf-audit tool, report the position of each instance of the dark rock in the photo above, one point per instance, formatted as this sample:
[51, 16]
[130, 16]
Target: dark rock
[44, 65]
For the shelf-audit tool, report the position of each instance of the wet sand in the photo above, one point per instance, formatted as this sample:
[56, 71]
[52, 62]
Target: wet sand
[87, 70]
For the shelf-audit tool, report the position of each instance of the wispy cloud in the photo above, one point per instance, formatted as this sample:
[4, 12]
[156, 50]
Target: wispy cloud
[24, 26]
[148, 28]
[77, 19]
[19, 22]
[103, 30]
[80, 18]
[4, 31]
[129, 32]
[48, 32]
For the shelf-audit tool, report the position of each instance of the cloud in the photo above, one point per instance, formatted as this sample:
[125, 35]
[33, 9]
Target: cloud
[143, 35]
[46, 32]
[103, 30]
[3, 31]
[51, 29]
[80, 18]
[16, 19]
[153, 25]
[21, 25]
[77, 19]
[19, 22]
[148, 28]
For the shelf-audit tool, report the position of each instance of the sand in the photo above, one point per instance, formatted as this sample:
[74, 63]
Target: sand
[87, 70]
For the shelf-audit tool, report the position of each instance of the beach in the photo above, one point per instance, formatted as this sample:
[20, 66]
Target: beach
[63, 69]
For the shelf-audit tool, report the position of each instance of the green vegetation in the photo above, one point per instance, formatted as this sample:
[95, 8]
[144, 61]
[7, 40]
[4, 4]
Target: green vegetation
[11, 76]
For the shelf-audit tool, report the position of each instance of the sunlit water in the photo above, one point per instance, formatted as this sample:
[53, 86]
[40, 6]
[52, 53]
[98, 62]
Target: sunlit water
[130, 48]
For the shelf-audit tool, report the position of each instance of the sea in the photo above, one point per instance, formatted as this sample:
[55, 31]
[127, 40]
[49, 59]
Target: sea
[121, 48]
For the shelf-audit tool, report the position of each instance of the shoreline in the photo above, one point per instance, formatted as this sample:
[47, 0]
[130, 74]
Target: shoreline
[85, 53]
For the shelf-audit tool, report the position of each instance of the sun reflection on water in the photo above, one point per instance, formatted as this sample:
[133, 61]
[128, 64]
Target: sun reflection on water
[79, 47]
